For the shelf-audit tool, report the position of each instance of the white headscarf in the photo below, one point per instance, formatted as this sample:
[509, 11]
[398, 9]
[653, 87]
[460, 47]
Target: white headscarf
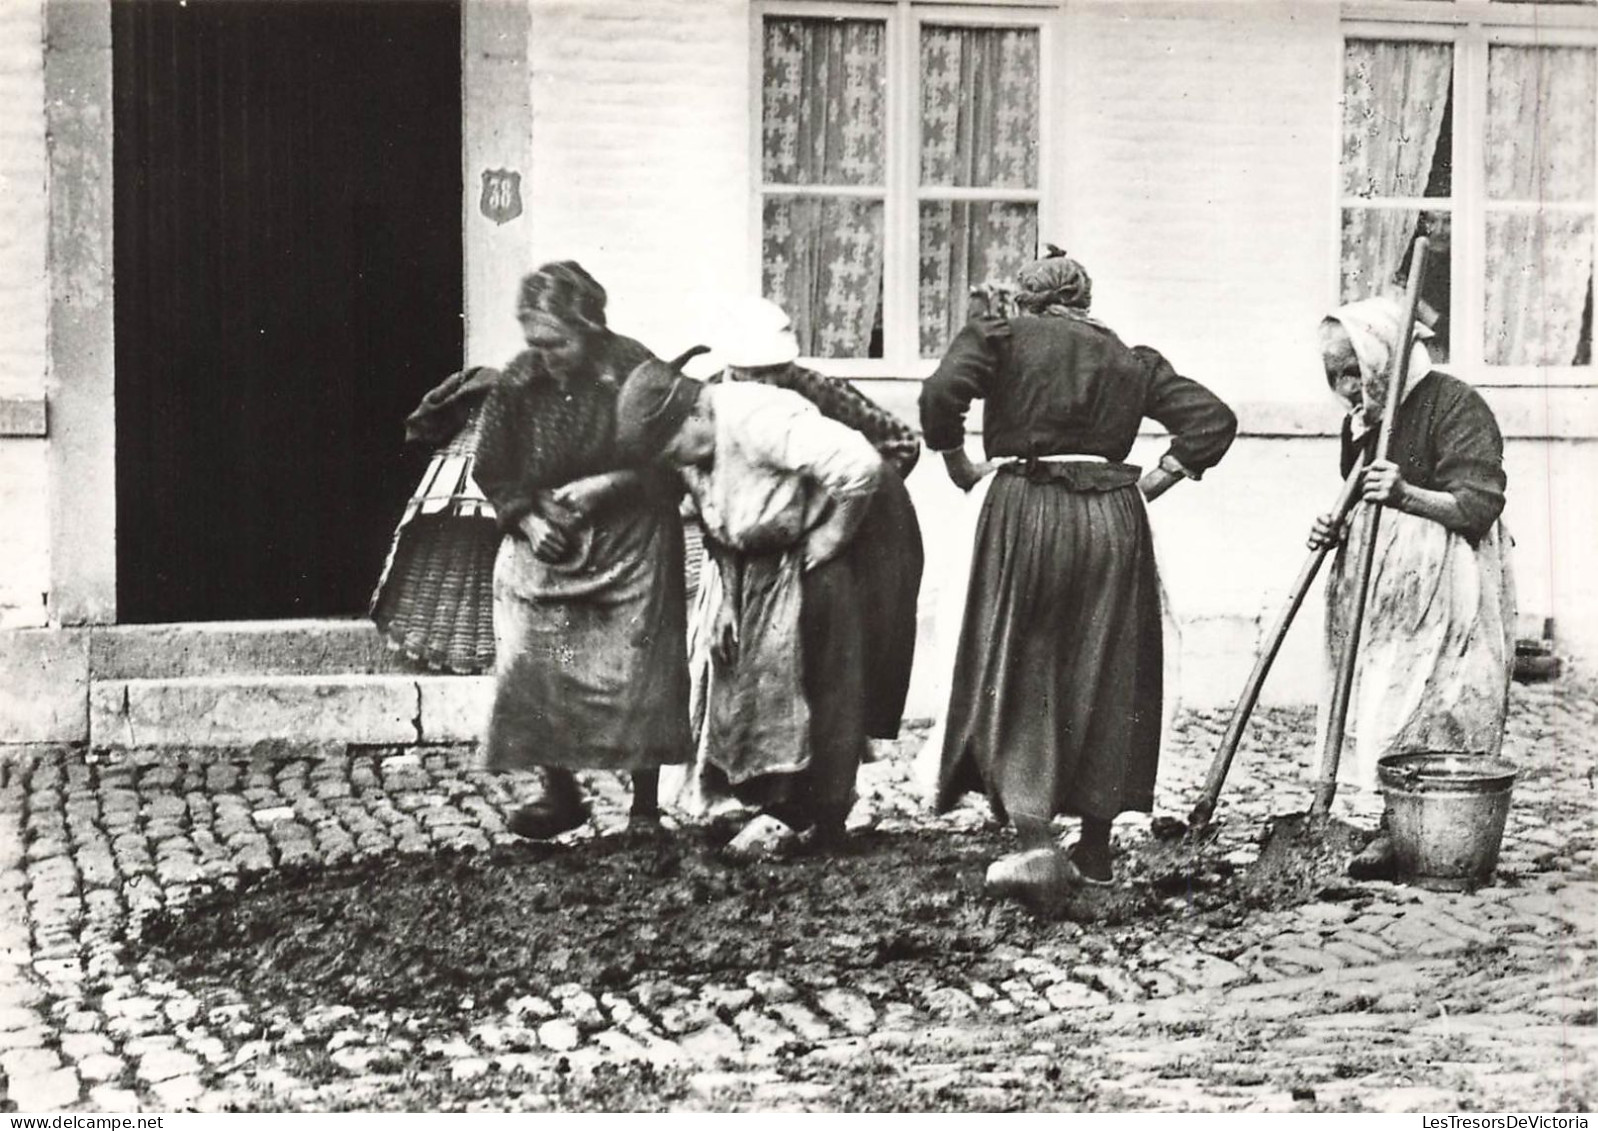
[1374, 327]
[757, 333]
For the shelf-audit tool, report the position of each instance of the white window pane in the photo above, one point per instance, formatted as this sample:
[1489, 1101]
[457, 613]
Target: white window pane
[1539, 288]
[824, 102]
[979, 106]
[1377, 245]
[1396, 96]
[966, 244]
[1540, 107]
[821, 261]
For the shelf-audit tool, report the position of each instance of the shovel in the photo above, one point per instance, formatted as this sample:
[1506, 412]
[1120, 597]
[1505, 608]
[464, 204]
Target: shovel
[1302, 848]
[1332, 752]
[1204, 809]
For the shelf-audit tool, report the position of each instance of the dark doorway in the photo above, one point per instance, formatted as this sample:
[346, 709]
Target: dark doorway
[288, 284]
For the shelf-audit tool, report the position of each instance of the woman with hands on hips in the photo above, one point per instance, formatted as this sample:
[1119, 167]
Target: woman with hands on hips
[1056, 694]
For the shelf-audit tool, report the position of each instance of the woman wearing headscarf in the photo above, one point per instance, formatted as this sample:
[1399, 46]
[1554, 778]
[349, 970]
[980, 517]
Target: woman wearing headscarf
[788, 499]
[1437, 648]
[1056, 694]
[760, 346]
[589, 606]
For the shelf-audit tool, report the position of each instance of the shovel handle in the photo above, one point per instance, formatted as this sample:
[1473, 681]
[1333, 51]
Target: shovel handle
[1222, 765]
[1370, 516]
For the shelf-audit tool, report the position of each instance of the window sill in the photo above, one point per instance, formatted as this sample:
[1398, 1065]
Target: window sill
[871, 368]
[1566, 413]
[1558, 13]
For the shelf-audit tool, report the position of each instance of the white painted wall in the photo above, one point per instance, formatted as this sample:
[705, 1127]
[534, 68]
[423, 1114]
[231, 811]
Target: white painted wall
[640, 156]
[1196, 173]
[24, 307]
[1198, 164]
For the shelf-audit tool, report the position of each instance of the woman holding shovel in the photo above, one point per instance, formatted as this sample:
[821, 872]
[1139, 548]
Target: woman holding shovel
[1438, 646]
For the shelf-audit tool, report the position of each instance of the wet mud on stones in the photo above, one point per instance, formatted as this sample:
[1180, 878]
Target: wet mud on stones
[426, 934]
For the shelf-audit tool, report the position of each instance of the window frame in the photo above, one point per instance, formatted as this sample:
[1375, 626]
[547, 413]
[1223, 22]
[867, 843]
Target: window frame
[1472, 27]
[903, 192]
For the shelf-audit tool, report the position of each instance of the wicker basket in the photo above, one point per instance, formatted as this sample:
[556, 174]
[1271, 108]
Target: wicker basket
[435, 599]
[437, 606]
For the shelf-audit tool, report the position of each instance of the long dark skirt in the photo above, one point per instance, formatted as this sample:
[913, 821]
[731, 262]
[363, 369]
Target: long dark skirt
[1055, 707]
[592, 667]
[856, 640]
[888, 561]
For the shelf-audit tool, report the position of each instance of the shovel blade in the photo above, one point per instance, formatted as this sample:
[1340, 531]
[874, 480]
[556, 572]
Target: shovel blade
[1303, 854]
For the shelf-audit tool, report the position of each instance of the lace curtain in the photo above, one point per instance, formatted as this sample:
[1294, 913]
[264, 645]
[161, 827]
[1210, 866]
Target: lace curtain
[965, 245]
[979, 107]
[1394, 98]
[979, 129]
[1540, 148]
[823, 124]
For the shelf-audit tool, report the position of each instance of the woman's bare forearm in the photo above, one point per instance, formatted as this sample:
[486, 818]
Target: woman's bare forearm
[1439, 506]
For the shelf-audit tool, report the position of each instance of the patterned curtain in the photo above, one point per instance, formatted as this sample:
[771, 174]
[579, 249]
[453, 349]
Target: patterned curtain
[1394, 98]
[823, 265]
[964, 246]
[979, 107]
[979, 129]
[823, 123]
[1540, 108]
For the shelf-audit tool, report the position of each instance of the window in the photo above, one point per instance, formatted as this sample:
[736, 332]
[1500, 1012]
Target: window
[1481, 136]
[873, 232]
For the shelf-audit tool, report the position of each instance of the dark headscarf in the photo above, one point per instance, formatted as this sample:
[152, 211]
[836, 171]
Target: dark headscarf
[654, 401]
[565, 291]
[1056, 280]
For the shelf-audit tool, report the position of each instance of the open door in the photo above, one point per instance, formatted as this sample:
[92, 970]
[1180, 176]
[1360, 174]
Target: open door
[288, 284]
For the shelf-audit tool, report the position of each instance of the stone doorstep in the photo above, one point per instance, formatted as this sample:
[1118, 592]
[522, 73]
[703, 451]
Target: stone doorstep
[232, 710]
[242, 648]
[45, 673]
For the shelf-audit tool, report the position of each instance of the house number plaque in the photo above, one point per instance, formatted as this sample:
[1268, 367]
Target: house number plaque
[502, 195]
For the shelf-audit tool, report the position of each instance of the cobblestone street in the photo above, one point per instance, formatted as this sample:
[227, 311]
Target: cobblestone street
[1376, 997]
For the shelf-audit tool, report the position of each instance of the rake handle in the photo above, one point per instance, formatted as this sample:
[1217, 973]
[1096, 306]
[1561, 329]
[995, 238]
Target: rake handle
[1222, 765]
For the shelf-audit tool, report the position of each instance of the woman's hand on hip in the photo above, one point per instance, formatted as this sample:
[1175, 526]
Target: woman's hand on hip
[583, 498]
[962, 472]
[1155, 482]
[580, 498]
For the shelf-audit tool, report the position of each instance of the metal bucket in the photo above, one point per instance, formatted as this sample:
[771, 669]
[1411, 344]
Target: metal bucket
[1445, 814]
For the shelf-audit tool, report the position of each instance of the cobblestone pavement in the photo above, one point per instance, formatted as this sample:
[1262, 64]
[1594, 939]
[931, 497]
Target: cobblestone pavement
[1385, 998]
